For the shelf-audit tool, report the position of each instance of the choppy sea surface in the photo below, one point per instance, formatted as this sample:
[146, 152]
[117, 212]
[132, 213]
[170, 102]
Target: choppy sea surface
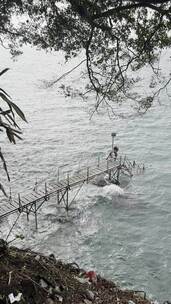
[126, 238]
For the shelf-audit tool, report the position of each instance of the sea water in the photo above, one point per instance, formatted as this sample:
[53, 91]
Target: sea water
[123, 234]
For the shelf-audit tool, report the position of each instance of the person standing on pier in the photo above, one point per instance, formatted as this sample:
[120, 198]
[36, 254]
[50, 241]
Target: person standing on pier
[113, 154]
[115, 151]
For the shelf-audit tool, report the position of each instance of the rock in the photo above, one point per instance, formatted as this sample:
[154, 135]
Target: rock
[89, 295]
[60, 288]
[49, 301]
[50, 290]
[57, 289]
[52, 257]
[117, 300]
[60, 282]
[37, 258]
[131, 302]
[87, 301]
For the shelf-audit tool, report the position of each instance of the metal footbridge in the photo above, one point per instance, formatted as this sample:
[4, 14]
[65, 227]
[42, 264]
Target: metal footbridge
[33, 200]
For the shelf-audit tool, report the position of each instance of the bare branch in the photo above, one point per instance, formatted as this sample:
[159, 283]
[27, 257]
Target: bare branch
[51, 83]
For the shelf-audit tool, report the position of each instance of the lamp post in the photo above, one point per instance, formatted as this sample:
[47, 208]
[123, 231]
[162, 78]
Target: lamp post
[60, 167]
[113, 134]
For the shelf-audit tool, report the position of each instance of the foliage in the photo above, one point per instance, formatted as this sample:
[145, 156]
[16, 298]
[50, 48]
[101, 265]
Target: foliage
[119, 38]
[8, 111]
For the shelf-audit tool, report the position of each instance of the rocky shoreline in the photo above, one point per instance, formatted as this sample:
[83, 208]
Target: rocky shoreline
[27, 277]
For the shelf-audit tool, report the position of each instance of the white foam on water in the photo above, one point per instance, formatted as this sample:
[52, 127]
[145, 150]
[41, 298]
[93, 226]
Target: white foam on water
[113, 190]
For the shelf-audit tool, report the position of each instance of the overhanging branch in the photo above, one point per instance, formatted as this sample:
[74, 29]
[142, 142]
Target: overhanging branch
[120, 9]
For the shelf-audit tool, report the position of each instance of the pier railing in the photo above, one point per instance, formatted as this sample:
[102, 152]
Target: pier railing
[32, 201]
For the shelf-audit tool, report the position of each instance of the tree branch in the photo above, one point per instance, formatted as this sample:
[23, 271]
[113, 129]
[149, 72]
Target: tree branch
[119, 9]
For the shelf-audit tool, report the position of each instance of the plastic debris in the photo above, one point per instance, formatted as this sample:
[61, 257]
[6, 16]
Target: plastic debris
[117, 300]
[87, 301]
[91, 275]
[37, 258]
[13, 298]
[82, 280]
[131, 302]
[43, 284]
[60, 299]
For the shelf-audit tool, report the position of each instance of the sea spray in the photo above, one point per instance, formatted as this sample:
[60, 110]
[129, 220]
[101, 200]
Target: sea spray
[113, 190]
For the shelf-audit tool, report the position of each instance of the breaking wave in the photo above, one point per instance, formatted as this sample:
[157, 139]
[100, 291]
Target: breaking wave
[113, 190]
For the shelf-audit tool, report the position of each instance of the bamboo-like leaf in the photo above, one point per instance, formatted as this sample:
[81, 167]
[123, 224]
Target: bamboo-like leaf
[5, 92]
[14, 106]
[4, 164]
[9, 117]
[10, 135]
[6, 126]
[16, 135]
[18, 111]
[4, 71]
[7, 122]
[5, 112]
[16, 131]
[4, 97]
